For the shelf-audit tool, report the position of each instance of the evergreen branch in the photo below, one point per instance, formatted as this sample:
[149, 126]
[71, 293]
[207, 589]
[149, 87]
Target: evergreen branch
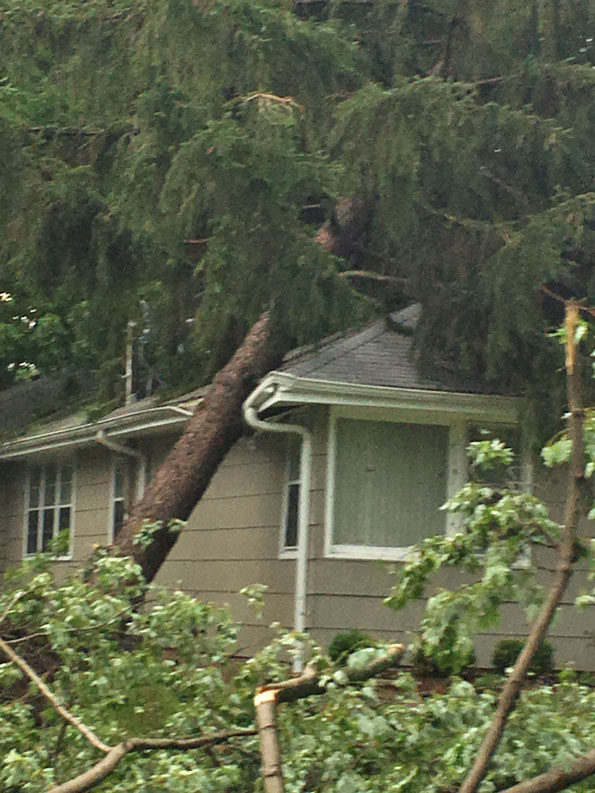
[557, 779]
[568, 555]
[49, 132]
[101, 770]
[27, 670]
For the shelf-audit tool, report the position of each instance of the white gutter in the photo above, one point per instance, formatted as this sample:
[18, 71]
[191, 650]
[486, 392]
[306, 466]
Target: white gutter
[285, 389]
[250, 412]
[120, 425]
[119, 448]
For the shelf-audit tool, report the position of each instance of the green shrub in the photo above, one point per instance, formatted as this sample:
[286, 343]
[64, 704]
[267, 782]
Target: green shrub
[343, 644]
[507, 651]
[440, 661]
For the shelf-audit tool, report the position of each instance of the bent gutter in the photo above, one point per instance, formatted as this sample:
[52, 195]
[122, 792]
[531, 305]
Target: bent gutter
[127, 424]
[250, 410]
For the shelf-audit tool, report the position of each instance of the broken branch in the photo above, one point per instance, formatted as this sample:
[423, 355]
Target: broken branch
[558, 778]
[306, 685]
[29, 672]
[97, 773]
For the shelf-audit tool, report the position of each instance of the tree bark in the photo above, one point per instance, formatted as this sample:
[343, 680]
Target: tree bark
[306, 685]
[265, 706]
[576, 474]
[104, 767]
[217, 422]
[558, 778]
[209, 434]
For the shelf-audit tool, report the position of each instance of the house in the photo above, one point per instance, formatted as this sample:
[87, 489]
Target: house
[351, 453]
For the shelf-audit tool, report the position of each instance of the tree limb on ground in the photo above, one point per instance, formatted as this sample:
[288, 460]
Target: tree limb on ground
[557, 779]
[306, 685]
[29, 672]
[568, 553]
[113, 754]
[97, 773]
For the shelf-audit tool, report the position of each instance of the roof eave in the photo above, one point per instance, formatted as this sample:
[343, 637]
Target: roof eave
[116, 426]
[284, 389]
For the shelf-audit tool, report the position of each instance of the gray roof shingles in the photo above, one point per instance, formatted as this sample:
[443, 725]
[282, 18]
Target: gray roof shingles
[382, 354]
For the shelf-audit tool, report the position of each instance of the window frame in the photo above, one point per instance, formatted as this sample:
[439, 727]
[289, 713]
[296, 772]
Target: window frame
[140, 477]
[289, 551]
[43, 465]
[456, 472]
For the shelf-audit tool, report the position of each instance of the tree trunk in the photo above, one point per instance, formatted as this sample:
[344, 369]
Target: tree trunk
[209, 434]
[217, 422]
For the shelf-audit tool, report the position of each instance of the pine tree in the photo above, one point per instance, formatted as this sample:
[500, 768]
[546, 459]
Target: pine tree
[172, 162]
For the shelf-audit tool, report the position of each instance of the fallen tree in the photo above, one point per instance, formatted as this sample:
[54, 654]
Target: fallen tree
[215, 426]
[119, 673]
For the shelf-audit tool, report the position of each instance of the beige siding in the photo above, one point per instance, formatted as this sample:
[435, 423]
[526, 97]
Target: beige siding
[232, 540]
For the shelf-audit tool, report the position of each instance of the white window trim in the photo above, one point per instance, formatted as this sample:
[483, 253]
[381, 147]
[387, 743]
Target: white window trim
[285, 551]
[456, 475]
[71, 461]
[139, 488]
[112, 497]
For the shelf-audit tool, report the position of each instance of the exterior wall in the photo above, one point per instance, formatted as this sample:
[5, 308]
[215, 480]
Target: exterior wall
[12, 491]
[235, 533]
[232, 540]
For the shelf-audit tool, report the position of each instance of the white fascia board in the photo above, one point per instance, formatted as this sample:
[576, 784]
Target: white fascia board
[127, 424]
[281, 388]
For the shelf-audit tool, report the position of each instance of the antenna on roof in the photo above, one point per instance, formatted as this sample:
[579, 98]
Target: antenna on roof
[129, 396]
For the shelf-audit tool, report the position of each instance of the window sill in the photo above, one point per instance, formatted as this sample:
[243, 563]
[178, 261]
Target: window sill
[68, 558]
[369, 552]
[288, 553]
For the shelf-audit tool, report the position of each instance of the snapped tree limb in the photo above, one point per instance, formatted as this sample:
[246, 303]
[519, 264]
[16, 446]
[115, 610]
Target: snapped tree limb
[97, 773]
[558, 778]
[29, 672]
[306, 685]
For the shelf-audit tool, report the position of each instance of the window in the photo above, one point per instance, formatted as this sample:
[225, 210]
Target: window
[291, 496]
[49, 508]
[120, 500]
[129, 476]
[387, 481]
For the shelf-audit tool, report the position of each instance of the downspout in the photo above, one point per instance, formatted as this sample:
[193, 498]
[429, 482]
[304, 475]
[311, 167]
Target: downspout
[251, 417]
[119, 448]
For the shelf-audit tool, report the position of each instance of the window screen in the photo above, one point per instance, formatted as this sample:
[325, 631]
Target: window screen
[390, 480]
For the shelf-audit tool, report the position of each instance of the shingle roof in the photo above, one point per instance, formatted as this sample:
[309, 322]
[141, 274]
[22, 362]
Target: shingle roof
[34, 407]
[382, 354]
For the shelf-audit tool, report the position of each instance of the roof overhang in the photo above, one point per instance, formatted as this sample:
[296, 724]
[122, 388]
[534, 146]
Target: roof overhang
[280, 389]
[152, 419]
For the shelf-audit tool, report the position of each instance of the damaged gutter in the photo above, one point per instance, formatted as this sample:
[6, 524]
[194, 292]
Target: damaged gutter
[86, 434]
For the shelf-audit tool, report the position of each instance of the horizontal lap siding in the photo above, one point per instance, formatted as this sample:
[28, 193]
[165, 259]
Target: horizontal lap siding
[13, 492]
[232, 540]
[93, 489]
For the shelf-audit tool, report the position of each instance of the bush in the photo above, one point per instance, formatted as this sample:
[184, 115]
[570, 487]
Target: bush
[343, 644]
[507, 651]
[441, 661]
